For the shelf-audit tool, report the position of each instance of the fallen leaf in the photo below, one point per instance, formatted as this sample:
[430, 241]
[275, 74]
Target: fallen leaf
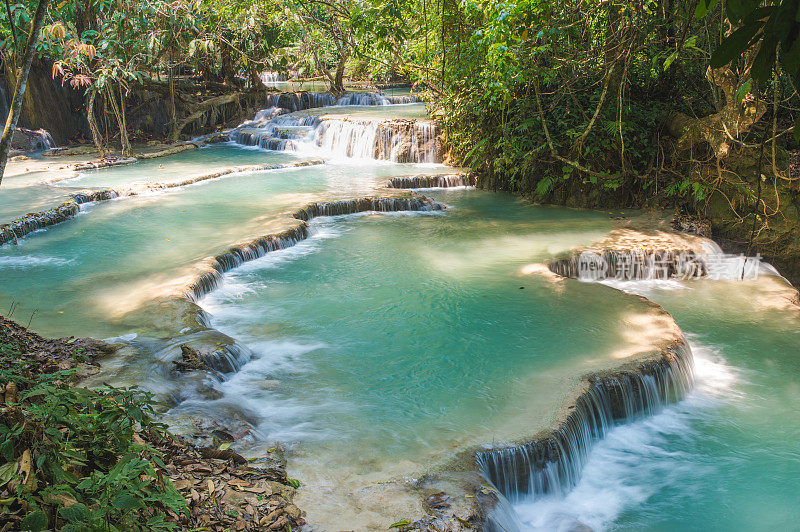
[26, 469]
[464, 522]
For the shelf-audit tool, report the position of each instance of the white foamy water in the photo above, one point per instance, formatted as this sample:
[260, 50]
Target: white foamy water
[22, 262]
[637, 460]
[644, 287]
[280, 416]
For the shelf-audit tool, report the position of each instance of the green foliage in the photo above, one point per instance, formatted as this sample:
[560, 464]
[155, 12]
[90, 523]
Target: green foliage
[97, 42]
[87, 471]
[607, 76]
[770, 28]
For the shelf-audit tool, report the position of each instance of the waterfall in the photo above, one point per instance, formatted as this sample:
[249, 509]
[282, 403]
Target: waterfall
[423, 142]
[631, 265]
[640, 265]
[269, 78]
[43, 140]
[278, 127]
[364, 98]
[290, 102]
[432, 181]
[259, 247]
[336, 208]
[276, 133]
[94, 195]
[35, 221]
[390, 140]
[552, 464]
[345, 138]
[374, 98]
[228, 358]
[29, 223]
[32, 140]
[402, 141]
[399, 100]
[238, 255]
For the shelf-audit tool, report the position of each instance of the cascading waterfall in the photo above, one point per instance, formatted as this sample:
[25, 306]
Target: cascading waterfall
[29, 223]
[378, 204]
[35, 221]
[268, 78]
[229, 358]
[94, 195]
[44, 140]
[400, 100]
[346, 138]
[259, 247]
[291, 102]
[432, 181]
[364, 98]
[236, 256]
[389, 140]
[10, 232]
[631, 265]
[278, 128]
[374, 98]
[32, 140]
[402, 141]
[276, 133]
[423, 142]
[552, 464]
[649, 265]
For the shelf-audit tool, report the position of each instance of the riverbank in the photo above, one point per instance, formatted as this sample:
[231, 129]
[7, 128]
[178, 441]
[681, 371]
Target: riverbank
[73, 456]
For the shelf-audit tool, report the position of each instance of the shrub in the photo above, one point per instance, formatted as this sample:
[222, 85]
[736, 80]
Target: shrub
[72, 458]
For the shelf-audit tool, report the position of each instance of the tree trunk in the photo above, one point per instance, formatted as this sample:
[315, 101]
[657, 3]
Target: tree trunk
[227, 65]
[338, 80]
[96, 136]
[321, 67]
[119, 114]
[22, 80]
[255, 79]
[717, 130]
[173, 132]
[126, 146]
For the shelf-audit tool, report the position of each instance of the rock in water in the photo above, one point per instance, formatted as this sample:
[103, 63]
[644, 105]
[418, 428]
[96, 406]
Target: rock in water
[191, 360]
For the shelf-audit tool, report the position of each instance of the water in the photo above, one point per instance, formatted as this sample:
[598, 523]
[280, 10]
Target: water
[124, 253]
[39, 191]
[16, 202]
[725, 458]
[384, 346]
[346, 132]
[381, 341]
[174, 168]
[404, 111]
